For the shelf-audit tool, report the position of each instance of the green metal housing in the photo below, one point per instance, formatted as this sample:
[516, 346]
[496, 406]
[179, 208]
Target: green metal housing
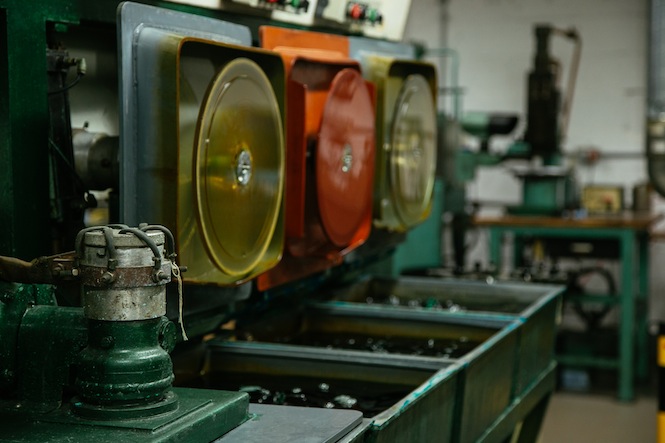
[124, 375]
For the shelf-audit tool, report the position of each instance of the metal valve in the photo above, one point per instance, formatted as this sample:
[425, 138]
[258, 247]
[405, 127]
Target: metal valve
[125, 369]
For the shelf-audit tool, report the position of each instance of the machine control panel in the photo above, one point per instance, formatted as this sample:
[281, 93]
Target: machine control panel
[291, 11]
[374, 18]
[296, 6]
[362, 12]
[382, 19]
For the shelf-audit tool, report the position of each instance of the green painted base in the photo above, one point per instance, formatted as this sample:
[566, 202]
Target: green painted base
[202, 416]
[120, 413]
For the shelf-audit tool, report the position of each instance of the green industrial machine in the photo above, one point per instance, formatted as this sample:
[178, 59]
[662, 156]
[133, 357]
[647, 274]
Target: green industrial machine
[93, 342]
[101, 372]
[548, 187]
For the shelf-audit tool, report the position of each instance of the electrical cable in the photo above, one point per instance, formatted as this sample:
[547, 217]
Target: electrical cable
[81, 69]
[78, 78]
[88, 197]
[70, 167]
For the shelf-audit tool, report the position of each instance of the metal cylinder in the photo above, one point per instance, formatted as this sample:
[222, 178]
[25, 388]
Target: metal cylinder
[656, 94]
[655, 148]
[543, 100]
[642, 197]
[123, 281]
[96, 158]
[125, 370]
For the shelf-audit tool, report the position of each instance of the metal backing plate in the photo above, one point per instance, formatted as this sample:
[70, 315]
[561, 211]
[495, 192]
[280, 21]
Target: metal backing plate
[413, 150]
[238, 168]
[345, 158]
[361, 47]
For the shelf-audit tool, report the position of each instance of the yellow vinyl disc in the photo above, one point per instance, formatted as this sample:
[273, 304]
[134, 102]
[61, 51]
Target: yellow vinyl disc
[238, 167]
[413, 150]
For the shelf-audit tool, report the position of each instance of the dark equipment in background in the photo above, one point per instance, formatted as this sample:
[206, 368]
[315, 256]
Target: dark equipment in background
[547, 115]
[68, 192]
[548, 188]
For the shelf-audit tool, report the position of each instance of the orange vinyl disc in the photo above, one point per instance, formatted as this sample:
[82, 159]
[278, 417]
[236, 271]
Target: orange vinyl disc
[345, 159]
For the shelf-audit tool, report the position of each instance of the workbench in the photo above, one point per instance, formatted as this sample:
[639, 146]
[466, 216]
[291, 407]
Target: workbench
[632, 232]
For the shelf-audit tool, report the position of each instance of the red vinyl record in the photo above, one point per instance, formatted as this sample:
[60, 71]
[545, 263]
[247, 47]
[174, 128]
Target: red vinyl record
[345, 149]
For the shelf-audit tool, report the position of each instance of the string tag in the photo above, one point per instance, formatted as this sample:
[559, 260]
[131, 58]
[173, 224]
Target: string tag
[176, 273]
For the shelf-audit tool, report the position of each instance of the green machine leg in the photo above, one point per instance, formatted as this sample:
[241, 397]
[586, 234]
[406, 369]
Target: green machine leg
[643, 307]
[627, 321]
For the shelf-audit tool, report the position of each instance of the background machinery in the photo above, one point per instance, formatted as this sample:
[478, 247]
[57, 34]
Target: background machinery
[278, 170]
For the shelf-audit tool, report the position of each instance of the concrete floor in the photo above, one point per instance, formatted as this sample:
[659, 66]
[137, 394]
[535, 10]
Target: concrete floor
[591, 418]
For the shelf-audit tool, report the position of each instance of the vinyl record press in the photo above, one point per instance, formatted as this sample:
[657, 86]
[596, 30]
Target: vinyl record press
[330, 153]
[406, 126]
[192, 99]
[236, 288]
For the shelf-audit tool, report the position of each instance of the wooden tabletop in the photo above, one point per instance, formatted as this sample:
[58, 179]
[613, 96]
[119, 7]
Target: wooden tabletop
[625, 220]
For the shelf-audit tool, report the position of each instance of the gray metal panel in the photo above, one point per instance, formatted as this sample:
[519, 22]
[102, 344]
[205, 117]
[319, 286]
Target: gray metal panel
[360, 47]
[293, 424]
[656, 101]
[133, 21]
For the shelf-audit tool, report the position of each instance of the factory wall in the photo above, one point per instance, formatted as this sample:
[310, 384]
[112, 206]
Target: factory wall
[496, 44]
